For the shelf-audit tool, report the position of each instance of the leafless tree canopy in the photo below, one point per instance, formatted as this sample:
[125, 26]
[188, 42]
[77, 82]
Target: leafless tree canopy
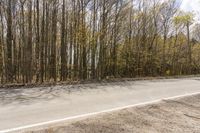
[60, 40]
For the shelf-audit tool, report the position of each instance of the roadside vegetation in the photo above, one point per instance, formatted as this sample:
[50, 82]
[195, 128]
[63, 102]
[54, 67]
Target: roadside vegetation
[69, 40]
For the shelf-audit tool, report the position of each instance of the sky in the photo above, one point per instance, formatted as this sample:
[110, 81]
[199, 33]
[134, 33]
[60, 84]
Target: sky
[192, 6]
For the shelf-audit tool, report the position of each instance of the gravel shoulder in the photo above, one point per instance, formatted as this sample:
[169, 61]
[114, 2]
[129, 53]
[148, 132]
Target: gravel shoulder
[180, 115]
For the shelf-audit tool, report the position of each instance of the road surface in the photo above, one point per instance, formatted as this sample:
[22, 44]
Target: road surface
[177, 115]
[21, 108]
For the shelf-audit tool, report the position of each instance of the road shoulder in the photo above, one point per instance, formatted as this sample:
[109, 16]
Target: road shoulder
[176, 115]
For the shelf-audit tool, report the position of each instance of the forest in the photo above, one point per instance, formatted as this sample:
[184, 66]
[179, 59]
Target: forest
[43, 41]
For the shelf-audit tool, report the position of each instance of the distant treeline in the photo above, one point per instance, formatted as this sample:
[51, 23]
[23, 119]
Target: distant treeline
[62, 40]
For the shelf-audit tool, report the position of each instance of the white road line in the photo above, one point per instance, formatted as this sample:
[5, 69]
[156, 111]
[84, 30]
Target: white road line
[94, 113]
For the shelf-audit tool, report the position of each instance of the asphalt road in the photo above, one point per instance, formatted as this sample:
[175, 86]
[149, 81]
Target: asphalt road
[21, 108]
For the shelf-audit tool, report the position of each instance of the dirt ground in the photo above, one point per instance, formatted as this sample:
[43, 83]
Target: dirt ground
[169, 116]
